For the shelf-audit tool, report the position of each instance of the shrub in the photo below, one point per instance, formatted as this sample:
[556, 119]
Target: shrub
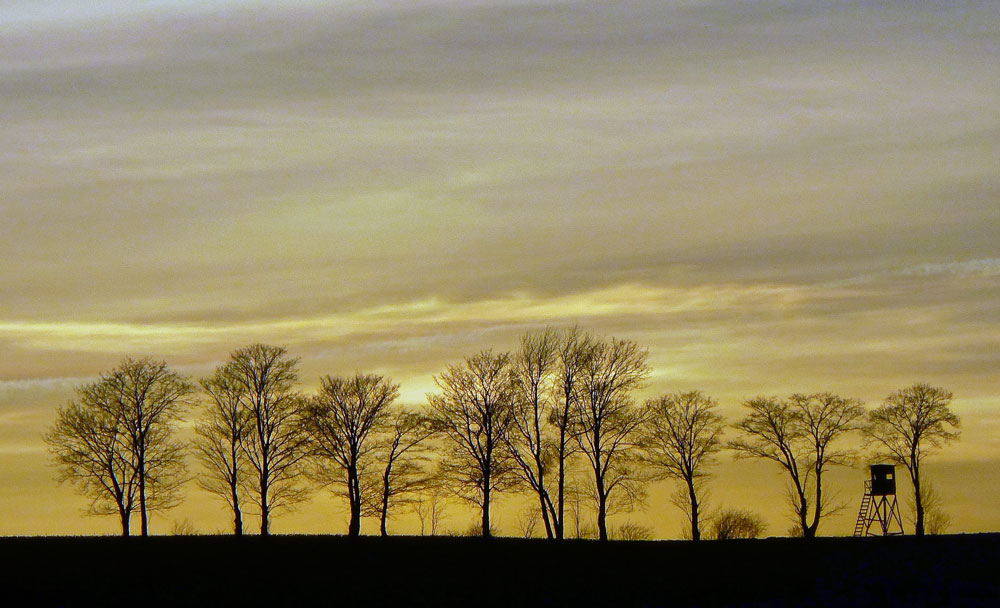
[632, 531]
[737, 523]
[184, 527]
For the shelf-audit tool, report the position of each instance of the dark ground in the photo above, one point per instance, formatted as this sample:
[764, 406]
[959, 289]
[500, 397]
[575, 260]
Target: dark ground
[402, 571]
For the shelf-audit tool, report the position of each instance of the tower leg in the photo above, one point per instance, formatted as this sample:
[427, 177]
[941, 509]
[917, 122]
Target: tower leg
[888, 516]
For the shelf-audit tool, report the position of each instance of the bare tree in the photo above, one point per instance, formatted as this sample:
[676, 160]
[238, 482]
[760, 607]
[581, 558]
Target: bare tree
[528, 441]
[430, 507]
[737, 523]
[90, 449]
[401, 452]
[341, 422]
[219, 442]
[276, 444]
[150, 398]
[909, 424]
[527, 521]
[607, 420]
[473, 412]
[798, 434]
[680, 435]
[936, 519]
[127, 419]
[575, 503]
[574, 347]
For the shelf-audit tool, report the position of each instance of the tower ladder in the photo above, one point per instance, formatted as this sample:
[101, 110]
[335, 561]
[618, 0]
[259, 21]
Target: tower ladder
[861, 526]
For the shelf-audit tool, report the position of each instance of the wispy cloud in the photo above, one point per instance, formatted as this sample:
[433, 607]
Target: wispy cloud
[985, 267]
[33, 385]
[988, 267]
[622, 301]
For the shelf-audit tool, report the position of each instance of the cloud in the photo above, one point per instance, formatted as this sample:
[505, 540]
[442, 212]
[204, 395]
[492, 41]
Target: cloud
[979, 268]
[988, 267]
[10, 388]
[625, 300]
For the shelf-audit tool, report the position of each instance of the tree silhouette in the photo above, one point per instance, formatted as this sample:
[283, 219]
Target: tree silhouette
[607, 421]
[798, 433]
[401, 452]
[574, 347]
[529, 440]
[680, 434]
[220, 436]
[275, 444]
[911, 423]
[473, 412]
[341, 422]
[936, 519]
[429, 506]
[577, 500]
[116, 440]
[89, 448]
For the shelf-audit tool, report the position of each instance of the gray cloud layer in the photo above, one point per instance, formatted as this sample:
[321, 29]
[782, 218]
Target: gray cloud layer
[549, 146]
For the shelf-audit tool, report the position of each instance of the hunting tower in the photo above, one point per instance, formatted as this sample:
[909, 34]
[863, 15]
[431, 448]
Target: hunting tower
[879, 512]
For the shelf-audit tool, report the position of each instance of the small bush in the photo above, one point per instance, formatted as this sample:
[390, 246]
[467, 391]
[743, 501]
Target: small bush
[184, 527]
[737, 523]
[632, 531]
[476, 529]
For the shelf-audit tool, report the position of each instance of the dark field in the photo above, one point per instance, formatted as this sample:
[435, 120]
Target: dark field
[335, 571]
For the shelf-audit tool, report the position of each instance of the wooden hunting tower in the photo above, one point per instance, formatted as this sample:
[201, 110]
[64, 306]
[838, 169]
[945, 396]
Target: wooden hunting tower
[879, 506]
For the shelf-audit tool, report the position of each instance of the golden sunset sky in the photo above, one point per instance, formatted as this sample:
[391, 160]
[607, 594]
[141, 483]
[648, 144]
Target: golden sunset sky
[771, 195]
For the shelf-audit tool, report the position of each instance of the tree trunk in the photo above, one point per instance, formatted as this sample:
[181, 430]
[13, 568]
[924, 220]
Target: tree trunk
[803, 517]
[541, 470]
[143, 518]
[817, 507]
[354, 528]
[125, 517]
[602, 516]
[265, 509]
[561, 520]
[487, 533]
[807, 531]
[354, 497]
[385, 502]
[803, 508]
[545, 515]
[695, 527]
[385, 507]
[918, 502]
[602, 496]
[237, 514]
[541, 498]
[602, 507]
[234, 490]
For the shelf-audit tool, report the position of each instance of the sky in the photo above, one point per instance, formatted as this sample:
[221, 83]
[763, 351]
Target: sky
[773, 196]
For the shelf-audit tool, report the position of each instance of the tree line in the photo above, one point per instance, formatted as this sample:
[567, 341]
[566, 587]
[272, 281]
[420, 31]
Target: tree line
[556, 419]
